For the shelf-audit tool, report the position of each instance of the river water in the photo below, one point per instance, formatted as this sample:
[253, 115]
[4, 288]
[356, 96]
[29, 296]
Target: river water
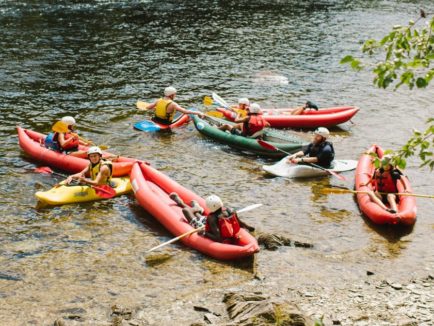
[95, 60]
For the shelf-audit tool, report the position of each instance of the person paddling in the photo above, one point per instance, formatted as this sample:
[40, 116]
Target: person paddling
[251, 125]
[242, 108]
[385, 180]
[320, 151]
[99, 170]
[67, 142]
[165, 108]
[221, 225]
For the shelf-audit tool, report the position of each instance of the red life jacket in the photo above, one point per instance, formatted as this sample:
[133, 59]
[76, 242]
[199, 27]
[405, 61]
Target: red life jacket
[228, 225]
[383, 182]
[254, 124]
[73, 144]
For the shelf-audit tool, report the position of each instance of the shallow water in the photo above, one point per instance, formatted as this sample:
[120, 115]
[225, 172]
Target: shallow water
[95, 60]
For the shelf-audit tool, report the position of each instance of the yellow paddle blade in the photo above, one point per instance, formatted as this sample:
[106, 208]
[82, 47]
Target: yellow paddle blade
[142, 105]
[208, 101]
[215, 114]
[337, 191]
[103, 147]
[60, 126]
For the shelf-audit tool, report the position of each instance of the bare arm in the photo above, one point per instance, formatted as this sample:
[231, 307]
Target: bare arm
[100, 179]
[62, 140]
[240, 119]
[177, 107]
[215, 231]
[77, 175]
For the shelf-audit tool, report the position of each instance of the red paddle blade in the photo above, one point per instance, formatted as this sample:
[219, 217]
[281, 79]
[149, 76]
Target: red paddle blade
[339, 176]
[104, 191]
[267, 145]
[43, 169]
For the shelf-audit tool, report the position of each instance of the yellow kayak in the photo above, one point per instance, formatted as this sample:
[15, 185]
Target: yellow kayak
[63, 194]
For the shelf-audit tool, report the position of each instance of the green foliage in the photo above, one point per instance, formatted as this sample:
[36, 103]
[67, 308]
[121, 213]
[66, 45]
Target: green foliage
[407, 53]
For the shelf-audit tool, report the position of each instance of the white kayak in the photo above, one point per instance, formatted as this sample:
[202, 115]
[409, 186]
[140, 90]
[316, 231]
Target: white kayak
[283, 168]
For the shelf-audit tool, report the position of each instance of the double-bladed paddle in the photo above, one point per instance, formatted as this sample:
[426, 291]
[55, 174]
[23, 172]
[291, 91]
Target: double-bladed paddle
[243, 210]
[103, 191]
[340, 190]
[271, 147]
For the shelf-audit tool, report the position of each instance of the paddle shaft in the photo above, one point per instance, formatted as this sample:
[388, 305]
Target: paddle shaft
[349, 191]
[245, 209]
[269, 146]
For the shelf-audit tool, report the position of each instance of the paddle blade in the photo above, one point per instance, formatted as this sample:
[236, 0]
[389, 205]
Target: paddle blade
[267, 145]
[61, 127]
[249, 208]
[43, 169]
[337, 191]
[215, 114]
[140, 105]
[219, 100]
[104, 191]
[147, 126]
[208, 101]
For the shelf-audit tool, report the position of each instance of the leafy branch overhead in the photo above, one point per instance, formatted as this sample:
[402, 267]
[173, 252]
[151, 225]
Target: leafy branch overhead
[403, 57]
[407, 52]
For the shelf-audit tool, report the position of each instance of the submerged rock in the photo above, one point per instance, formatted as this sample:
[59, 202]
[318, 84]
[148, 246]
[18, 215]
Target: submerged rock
[273, 241]
[257, 309]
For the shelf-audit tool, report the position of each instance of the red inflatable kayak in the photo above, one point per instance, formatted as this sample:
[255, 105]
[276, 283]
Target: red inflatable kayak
[152, 189]
[406, 206]
[281, 118]
[33, 144]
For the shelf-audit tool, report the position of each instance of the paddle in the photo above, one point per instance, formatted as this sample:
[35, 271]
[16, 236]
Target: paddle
[274, 148]
[103, 191]
[243, 210]
[207, 101]
[142, 106]
[349, 191]
[219, 100]
[62, 127]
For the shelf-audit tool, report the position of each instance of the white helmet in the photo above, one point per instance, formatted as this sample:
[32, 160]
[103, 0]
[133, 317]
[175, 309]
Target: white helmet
[323, 132]
[213, 203]
[244, 100]
[70, 121]
[255, 108]
[94, 150]
[168, 91]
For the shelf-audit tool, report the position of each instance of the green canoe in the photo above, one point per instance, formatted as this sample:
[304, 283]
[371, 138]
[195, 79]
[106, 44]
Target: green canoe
[288, 143]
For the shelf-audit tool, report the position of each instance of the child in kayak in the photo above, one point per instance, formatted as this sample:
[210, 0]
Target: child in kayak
[251, 126]
[320, 151]
[66, 142]
[384, 181]
[165, 108]
[99, 170]
[221, 225]
[242, 108]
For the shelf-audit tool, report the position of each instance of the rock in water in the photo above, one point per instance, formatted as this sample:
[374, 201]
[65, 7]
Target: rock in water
[274, 241]
[256, 309]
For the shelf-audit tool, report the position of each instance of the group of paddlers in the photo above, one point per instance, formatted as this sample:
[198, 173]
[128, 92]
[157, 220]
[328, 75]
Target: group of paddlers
[221, 224]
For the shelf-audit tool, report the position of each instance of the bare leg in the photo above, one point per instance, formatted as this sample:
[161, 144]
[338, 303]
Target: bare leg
[376, 198]
[391, 198]
[81, 154]
[225, 127]
[298, 111]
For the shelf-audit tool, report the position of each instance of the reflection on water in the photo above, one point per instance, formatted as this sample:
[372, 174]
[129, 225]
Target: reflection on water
[95, 60]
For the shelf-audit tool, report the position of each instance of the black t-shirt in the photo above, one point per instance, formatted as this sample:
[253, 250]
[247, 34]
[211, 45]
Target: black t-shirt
[324, 152]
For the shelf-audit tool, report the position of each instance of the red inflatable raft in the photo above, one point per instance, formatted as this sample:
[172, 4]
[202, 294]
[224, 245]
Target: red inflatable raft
[152, 189]
[407, 204]
[32, 143]
[281, 118]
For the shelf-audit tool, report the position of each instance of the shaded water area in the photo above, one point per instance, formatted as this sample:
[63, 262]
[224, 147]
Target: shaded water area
[94, 60]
